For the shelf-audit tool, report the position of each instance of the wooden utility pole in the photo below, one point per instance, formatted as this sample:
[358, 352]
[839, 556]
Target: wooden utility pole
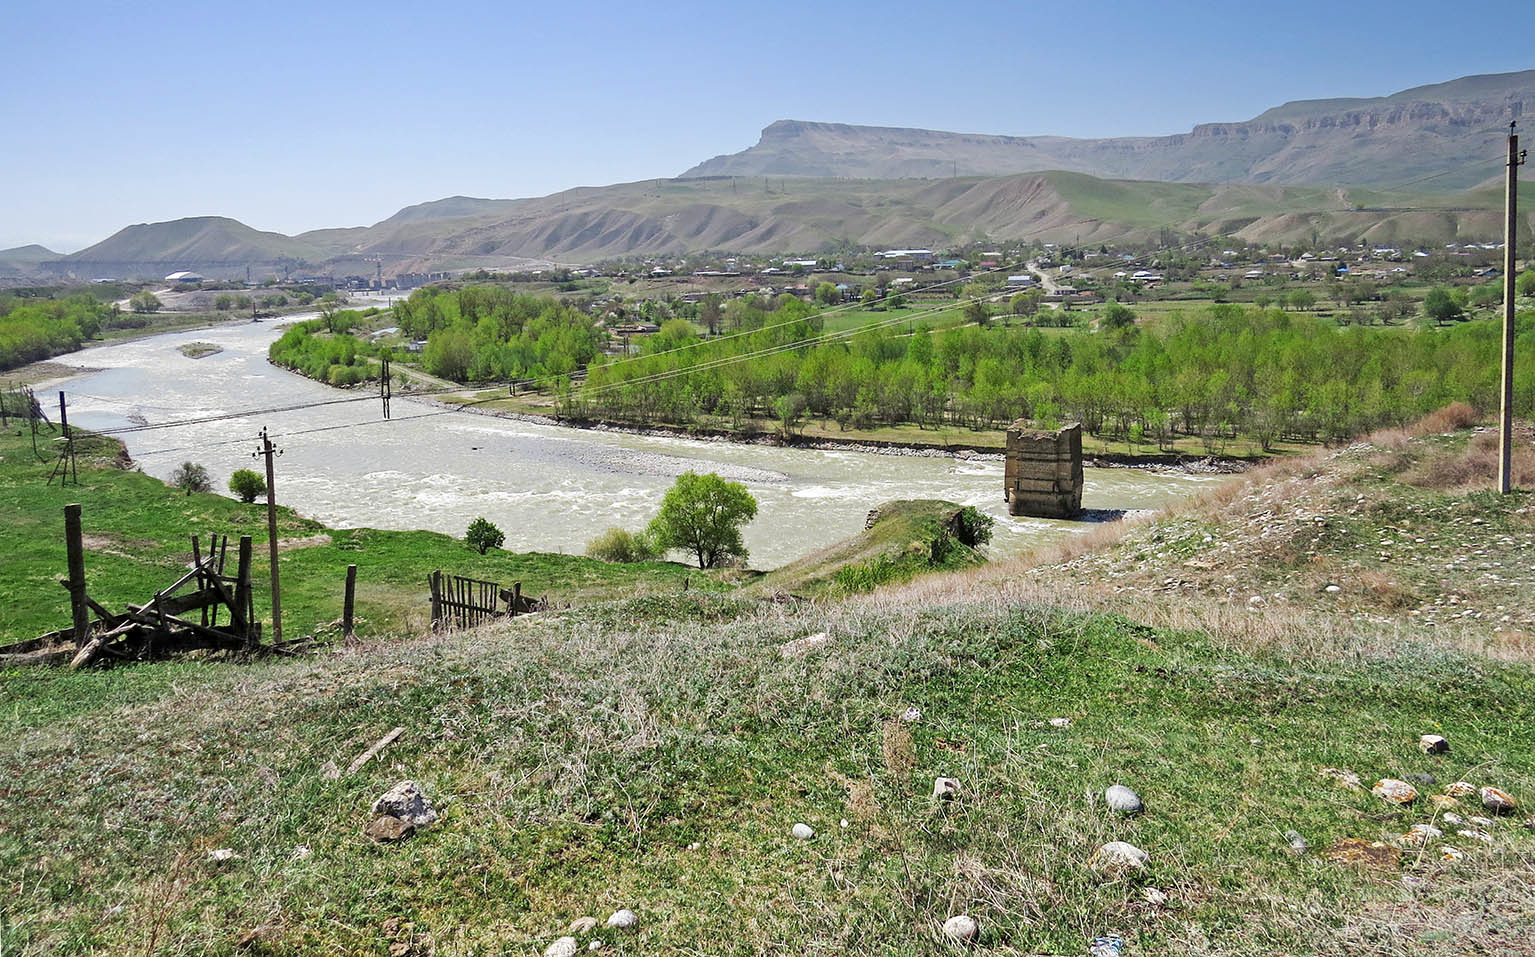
[65, 468]
[1510, 235]
[348, 602]
[269, 452]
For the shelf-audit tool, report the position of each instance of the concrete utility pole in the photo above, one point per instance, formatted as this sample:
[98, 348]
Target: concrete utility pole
[269, 452]
[1510, 234]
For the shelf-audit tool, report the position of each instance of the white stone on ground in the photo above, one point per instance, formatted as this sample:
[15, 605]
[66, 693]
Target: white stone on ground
[803, 646]
[1122, 854]
[803, 831]
[961, 928]
[564, 947]
[583, 925]
[1433, 744]
[1060, 722]
[623, 919]
[945, 789]
[1123, 799]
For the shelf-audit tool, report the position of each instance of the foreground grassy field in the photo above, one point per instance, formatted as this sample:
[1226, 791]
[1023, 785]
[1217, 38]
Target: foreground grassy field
[653, 753]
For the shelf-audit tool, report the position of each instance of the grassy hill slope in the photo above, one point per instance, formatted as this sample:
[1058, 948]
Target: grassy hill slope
[653, 753]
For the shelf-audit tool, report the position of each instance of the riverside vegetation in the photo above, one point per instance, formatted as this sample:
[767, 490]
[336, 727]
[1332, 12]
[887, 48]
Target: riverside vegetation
[1215, 376]
[652, 753]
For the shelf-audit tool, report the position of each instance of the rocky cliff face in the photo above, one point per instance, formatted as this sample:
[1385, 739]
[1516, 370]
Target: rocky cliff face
[1450, 131]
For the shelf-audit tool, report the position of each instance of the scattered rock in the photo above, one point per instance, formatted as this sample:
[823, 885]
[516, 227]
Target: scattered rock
[1332, 588]
[1298, 845]
[582, 925]
[1483, 821]
[1451, 853]
[386, 828]
[329, 771]
[1460, 789]
[1529, 824]
[406, 802]
[1452, 818]
[1358, 852]
[1110, 946]
[1498, 801]
[623, 919]
[1122, 799]
[1345, 779]
[912, 715]
[1433, 744]
[1060, 722]
[223, 855]
[1475, 834]
[803, 646]
[564, 947]
[1443, 801]
[302, 852]
[961, 928]
[1394, 791]
[1422, 780]
[803, 831]
[945, 789]
[1120, 854]
[1154, 896]
[594, 945]
[1422, 834]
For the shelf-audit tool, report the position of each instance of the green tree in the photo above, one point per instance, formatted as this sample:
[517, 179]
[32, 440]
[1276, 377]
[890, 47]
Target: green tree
[1440, 306]
[191, 477]
[483, 535]
[144, 302]
[1525, 284]
[247, 484]
[1116, 316]
[223, 302]
[703, 514]
[709, 313]
[827, 295]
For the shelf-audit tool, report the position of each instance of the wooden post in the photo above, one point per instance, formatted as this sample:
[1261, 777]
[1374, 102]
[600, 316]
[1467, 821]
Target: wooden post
[270, 452]
[435, 580]
[516, 597]
[347, 602]
[243, 612]
[74, 542]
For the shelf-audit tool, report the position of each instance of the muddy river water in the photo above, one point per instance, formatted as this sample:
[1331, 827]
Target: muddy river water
[548, 488]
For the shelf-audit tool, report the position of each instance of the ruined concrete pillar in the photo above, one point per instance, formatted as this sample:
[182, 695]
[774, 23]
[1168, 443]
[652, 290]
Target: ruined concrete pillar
[1043, 476]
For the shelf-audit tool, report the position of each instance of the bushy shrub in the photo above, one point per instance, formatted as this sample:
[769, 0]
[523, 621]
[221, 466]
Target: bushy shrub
[483, 535]
[246, 485]
[974, 527]
[191, 477]
[619, 545]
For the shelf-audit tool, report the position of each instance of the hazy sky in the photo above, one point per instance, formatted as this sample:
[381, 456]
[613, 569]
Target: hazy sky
[292, 116]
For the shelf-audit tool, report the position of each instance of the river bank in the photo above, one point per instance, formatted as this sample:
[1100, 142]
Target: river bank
[1178, 463]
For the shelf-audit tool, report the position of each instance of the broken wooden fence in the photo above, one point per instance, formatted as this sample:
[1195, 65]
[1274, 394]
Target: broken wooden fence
[460, 602]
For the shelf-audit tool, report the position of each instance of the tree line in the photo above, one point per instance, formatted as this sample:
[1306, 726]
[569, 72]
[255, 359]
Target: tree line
[1227, 371]
[490, 334]
[37, 329]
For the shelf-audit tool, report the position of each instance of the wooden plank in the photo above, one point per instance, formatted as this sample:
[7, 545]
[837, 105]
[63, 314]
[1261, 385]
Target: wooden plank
[369, 754]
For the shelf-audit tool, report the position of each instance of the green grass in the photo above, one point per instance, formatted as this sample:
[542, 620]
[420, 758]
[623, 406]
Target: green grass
[579, 758]
[138, 534]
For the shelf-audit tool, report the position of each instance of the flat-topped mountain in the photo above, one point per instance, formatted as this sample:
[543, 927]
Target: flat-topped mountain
[1450, 131]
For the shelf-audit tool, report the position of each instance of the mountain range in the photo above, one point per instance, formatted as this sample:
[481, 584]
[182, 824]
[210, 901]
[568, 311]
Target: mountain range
[1420, 165]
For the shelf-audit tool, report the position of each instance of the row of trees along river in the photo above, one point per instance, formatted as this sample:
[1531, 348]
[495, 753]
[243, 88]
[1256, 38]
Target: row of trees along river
[1215, 373]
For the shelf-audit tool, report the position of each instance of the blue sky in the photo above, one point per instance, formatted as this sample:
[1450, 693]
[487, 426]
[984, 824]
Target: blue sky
[292, 116]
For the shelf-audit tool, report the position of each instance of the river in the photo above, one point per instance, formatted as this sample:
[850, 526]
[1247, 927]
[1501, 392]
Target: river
[548, 488]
